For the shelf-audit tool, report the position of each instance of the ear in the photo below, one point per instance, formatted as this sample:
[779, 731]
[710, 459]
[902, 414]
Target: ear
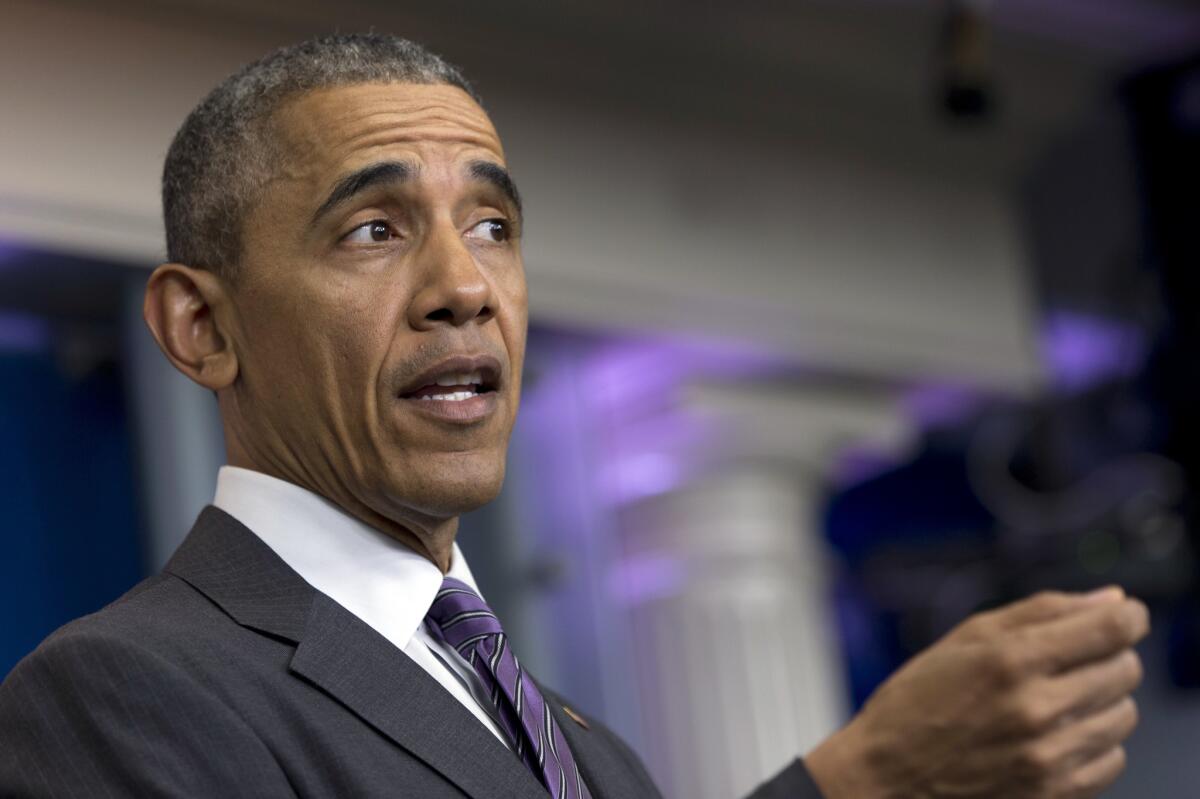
[184, 308]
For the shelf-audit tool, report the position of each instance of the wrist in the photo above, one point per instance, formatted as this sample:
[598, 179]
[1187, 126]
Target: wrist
[842, 766]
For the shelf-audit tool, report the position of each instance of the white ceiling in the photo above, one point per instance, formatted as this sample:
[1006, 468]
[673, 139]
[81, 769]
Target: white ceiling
[859, 73]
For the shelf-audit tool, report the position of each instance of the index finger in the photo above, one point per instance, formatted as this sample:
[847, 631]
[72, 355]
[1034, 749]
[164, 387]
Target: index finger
[1047, 605]
[1098, 632]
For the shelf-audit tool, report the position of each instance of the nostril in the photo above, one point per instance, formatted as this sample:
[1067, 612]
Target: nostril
[440, 315]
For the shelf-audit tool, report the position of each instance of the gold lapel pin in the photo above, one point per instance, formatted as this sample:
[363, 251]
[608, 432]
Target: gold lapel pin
[575, 717]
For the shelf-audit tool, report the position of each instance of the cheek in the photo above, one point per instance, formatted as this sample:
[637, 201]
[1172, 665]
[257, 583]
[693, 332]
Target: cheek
[323, 341]
[353, 337]
[518, 323]
[511, 286]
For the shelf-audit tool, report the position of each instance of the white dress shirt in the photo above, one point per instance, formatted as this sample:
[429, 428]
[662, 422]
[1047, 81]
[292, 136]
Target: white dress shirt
[369, 573]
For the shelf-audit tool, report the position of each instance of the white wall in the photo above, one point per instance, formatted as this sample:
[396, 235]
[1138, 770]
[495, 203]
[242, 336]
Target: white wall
[832, 262]
[837, 261]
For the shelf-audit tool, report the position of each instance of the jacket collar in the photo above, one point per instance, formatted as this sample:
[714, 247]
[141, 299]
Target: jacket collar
[388, 585]
[337, 652]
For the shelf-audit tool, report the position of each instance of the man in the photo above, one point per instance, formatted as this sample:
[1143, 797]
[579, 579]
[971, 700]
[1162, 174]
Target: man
[346, 276]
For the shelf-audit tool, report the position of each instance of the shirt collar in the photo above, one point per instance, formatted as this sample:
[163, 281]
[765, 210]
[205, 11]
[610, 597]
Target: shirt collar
[378, 579]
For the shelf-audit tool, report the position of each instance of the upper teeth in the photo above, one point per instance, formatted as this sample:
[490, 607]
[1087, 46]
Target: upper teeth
[456, 396]
[471, 379]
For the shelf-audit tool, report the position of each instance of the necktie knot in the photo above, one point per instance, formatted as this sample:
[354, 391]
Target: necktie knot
[461, 616]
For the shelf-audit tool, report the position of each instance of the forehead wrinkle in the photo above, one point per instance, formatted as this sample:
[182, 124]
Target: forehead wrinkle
[426, 113]
[441, 130]
[331, 132]
[396, 112]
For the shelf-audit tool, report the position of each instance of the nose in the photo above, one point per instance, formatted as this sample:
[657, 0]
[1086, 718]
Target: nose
[453, 290]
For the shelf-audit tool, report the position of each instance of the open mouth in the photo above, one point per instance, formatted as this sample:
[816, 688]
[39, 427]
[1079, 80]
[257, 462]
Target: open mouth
[453, 388]
[456, 381]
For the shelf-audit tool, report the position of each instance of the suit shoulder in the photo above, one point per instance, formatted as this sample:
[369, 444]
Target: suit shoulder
[108, 705]
[124, 625]
[96, 670]
[160, 602]
[154, 618]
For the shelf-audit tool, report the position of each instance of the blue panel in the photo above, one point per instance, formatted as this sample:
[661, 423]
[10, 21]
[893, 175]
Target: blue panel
[68, 520]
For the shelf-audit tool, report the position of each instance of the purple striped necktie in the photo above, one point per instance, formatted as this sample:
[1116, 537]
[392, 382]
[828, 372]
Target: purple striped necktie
[464, 621]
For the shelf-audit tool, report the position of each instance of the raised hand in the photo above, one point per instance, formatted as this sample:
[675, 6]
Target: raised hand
[1031, 700]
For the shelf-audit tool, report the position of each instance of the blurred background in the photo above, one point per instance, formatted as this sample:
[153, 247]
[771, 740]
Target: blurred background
[849, 318]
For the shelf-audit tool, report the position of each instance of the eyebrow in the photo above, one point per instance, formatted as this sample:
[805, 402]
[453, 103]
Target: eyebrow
[373, 175]
[362, 179]
[498, 176]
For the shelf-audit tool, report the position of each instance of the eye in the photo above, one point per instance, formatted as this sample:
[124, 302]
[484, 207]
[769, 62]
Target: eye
[373, 232]
[492, 230]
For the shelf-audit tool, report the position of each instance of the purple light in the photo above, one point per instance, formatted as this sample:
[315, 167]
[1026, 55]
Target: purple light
[628, 374]
[622, 401]
[642, 475]
[855, 466]
[934, 405]
[646, 578]
[1081, 351]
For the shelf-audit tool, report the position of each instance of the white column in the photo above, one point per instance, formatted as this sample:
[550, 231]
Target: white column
[737, 663]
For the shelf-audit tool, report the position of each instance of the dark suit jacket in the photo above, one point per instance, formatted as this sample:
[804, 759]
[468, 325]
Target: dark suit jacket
[228, 675]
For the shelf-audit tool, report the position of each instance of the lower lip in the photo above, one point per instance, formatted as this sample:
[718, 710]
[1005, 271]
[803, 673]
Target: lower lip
[479, 407]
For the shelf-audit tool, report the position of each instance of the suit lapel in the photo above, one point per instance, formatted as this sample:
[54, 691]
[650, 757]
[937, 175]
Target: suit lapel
[609, 771]
[354, 664]
[347, 659]
[222, 559]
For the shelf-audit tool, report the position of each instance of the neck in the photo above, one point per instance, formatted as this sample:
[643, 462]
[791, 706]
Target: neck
[435, 541]
[430, 537]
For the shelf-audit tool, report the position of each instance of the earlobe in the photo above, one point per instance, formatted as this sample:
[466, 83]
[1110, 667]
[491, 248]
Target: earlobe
[184, 311]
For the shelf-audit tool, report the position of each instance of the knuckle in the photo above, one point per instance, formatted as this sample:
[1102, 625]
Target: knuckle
[1048, 600]
[1077, 786]
[1116, 627]
[1127, 622]
[1139, 616]
[973, 628]
[1130, 716]
[1008, 663]
[1133, 669]
[1038, 761]
[1030, 713]
[1091, 782]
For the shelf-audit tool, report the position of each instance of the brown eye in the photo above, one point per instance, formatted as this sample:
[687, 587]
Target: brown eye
[496, 230]
[374, 232]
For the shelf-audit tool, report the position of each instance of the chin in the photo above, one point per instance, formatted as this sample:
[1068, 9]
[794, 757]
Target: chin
[452, 487]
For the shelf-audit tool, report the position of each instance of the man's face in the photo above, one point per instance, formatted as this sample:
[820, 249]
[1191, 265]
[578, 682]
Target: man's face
[381, 305]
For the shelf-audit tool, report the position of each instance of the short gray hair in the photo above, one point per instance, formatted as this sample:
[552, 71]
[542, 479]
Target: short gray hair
[225, 153]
